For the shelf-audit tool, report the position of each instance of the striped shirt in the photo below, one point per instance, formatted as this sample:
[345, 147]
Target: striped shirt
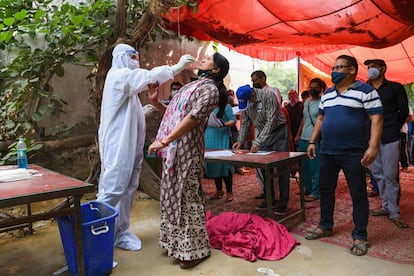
[346, 123]
[265, 114]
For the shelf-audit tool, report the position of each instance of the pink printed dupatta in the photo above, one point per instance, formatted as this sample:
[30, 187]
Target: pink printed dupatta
[172, 183]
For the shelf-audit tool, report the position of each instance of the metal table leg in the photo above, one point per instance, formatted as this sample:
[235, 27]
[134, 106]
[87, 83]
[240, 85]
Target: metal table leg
[78, 236]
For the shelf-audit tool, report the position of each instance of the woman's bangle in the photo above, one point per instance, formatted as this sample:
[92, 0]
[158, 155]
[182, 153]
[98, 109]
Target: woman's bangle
[311, 143]
[163, 143]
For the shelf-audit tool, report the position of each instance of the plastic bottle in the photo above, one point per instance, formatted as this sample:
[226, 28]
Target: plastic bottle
[21, 154]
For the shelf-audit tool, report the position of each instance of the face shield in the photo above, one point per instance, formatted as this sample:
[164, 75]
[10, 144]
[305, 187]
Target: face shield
[124, 56]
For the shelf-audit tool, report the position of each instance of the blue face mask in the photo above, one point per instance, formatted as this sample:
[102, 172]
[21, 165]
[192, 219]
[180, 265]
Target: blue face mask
[373, 73]
[337, 77]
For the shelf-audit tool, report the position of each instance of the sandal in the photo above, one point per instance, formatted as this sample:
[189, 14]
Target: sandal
[193, 263]
[314, 234]
[229, 197]
[379, 213]
[218, 195]
[310, 198]
[399, 222]
[359, 249]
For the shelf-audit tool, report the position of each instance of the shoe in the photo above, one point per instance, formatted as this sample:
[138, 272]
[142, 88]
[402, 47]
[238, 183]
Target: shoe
[399, 222]
[263, 206]
[239, 171]
[280, 213]
[259, 196]
[229, 197]
[359, 249]
[128, 241]
[190, 264]
[373, 193]
[218, 195]
[379, 213]
[310, 198]
[245, 170]
[313, 234]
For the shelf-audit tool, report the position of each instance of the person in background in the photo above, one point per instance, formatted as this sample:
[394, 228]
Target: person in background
[218, 136]
[310, 167]
[350, 121]
[385, 168]
[261, 108]
[174, 87]
[404, 146]
[234, 131]
[231, 98]
[259, 81]
[122, 134]
[180, 141]
[295, 109]
[305, 95]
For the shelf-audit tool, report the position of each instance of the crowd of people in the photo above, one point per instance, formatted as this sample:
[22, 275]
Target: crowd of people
[349, 127]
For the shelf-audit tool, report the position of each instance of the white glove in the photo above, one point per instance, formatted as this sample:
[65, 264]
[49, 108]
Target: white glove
[180, 66]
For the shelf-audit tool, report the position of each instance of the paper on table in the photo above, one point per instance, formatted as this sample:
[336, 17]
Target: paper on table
[213, 121]
[260, 152]
[218, 153]
[236, 110]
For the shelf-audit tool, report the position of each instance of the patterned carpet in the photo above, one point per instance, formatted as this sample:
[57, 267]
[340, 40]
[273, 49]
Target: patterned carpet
[386, 240]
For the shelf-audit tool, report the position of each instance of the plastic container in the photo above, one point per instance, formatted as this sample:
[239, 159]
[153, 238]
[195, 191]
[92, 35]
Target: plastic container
[98, 232]
[21, 154]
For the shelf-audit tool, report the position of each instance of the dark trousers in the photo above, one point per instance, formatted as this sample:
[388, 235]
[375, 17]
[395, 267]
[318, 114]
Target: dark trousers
[228, 180]
[403, 150]
[355, 175]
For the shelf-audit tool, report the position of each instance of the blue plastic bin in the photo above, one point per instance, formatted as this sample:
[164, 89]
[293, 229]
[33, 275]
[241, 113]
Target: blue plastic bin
[98, 231]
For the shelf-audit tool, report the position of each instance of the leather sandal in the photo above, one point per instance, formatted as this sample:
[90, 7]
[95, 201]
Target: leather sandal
[190, 264]
[359, 249]
[310, 198]
[313, 234]
[379, 213]
[229, 197]
[218, 195]
[399, 222]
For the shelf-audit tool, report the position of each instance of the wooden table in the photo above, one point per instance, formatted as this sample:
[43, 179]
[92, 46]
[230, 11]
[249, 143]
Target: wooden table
[269, 162]
[49, 185]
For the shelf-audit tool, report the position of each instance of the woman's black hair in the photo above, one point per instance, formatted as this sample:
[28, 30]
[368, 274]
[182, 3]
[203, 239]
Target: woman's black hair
[221, 62]
[223, 98]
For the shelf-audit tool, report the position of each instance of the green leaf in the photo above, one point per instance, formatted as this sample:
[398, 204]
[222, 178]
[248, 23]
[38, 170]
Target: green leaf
[77, 20]
[60, 72]
[10, 124]
[43, 109]
[36, 116]
[20, 15]
[39, 14]
[8, 21]
[6, 36]
[1, 26]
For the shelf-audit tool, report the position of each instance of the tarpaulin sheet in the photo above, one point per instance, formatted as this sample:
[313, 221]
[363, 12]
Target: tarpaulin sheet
[284, 29]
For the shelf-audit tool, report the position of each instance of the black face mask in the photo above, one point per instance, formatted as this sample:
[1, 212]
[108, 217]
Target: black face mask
[204, 73]
[257, 85]
[314, 93]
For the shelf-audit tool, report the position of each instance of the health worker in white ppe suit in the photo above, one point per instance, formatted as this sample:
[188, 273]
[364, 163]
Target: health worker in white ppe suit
[122, 134]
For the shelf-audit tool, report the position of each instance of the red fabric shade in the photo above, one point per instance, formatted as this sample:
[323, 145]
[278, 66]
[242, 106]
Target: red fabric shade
[281, 30]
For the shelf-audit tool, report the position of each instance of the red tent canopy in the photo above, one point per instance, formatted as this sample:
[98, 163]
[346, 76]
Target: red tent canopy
[316, 30]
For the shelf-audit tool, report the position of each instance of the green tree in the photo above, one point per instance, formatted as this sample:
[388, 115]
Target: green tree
[280, 75]
[38, 38]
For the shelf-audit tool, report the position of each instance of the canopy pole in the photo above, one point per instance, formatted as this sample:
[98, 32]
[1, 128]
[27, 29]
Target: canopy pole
[298, 73]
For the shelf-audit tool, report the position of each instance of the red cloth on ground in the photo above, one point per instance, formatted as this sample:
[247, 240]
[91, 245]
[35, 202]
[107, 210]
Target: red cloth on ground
[249, 236]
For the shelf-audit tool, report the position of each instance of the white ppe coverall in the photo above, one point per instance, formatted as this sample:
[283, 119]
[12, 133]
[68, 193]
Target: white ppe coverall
[122, 136]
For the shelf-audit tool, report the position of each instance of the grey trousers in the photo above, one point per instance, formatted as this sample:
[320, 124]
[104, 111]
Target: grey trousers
[385, 170]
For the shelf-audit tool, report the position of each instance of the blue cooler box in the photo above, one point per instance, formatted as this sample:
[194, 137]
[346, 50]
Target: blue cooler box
[98, 232]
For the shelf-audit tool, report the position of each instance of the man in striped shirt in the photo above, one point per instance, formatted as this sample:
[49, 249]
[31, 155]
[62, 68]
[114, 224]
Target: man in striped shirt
[261, 107]
[350, 119]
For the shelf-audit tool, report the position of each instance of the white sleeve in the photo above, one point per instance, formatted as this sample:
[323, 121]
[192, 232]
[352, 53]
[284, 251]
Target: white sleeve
[138, 79]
